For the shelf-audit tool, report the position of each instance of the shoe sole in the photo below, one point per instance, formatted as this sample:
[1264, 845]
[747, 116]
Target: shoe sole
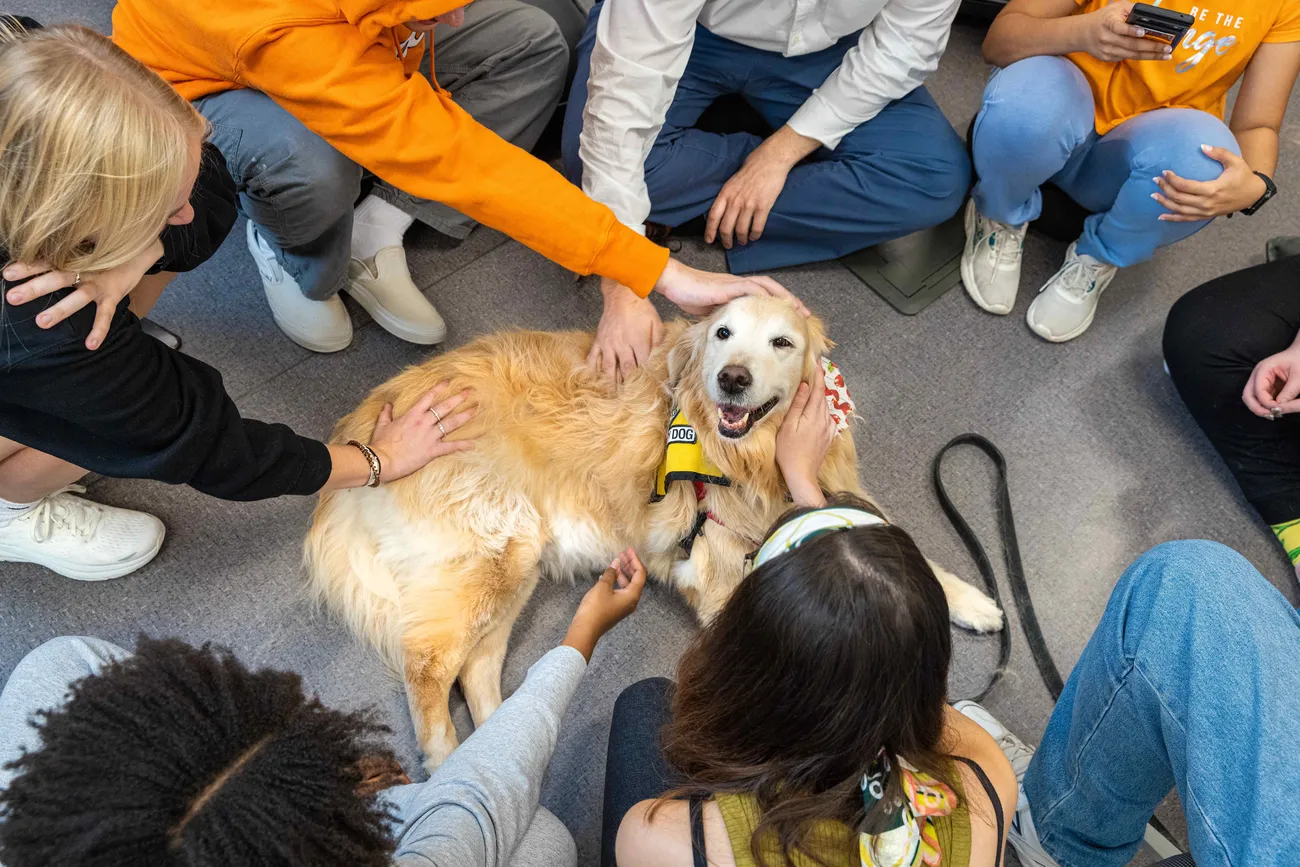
[309, 343]
[968, 270]
[391, 323]
[97, 573]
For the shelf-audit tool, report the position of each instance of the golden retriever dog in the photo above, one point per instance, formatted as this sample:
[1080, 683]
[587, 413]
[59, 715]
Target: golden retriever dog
[433, 569]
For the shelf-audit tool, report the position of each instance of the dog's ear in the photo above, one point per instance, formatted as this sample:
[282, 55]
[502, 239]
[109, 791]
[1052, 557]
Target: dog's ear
[818, 346]
[685, 353]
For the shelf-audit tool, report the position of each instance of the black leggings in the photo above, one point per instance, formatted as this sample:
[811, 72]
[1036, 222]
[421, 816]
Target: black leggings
[1214, 337]
[635, 768]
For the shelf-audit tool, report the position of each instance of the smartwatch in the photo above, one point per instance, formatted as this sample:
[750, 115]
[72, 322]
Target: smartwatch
[1270, 190]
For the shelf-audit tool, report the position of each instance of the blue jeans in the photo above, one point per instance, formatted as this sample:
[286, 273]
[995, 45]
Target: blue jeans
[1192, 678]
[1036, 124]
[904, 170]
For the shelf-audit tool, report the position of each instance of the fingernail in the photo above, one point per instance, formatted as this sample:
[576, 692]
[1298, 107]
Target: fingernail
[1155, 196]
[1141, 32]
[43, 319]
[10, 273]
[1205, 148]
[15, 298]
[1156, 180]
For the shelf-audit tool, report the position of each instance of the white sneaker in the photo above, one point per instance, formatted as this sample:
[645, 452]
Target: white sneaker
[81, 539]
[990, 261]
[1021, 833]
[1067, 302]
[321, 326]
[383, 285]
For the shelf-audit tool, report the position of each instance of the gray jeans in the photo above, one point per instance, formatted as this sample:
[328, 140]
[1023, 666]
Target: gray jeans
[506, 66]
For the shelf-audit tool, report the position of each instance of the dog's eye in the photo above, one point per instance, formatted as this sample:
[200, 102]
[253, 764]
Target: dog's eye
[782, 343]
[722, 333]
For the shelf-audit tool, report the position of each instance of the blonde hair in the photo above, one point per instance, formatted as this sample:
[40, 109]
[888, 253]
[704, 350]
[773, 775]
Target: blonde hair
[94, 149]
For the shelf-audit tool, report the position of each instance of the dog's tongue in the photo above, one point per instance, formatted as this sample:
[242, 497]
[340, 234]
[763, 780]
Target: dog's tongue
[733, 416]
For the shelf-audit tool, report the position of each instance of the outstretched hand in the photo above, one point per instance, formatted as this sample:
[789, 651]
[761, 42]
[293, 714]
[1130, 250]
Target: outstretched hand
[613, 597]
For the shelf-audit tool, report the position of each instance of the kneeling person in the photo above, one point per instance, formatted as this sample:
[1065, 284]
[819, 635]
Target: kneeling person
[1129, 127]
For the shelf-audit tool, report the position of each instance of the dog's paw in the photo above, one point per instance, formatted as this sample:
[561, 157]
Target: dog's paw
[969, 608]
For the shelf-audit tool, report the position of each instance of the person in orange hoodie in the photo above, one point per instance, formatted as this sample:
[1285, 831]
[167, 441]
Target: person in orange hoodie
[302, 95]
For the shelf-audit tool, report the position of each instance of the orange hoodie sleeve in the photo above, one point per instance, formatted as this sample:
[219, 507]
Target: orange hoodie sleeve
[354, 93]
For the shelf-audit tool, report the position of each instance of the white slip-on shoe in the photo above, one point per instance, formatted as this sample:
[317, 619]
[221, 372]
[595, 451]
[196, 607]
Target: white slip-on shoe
[81, 539]
[321, 326]
[383, 286]
[990, 261]
[1020, 832]
[1067, 302]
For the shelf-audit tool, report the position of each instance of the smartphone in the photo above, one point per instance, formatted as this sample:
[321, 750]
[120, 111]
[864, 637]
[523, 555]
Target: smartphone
[1162, 25]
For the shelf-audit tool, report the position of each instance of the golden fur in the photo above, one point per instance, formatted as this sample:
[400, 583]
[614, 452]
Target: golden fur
[433, 569]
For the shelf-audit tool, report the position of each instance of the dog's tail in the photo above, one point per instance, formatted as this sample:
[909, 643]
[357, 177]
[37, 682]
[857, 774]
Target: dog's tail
[348, 577]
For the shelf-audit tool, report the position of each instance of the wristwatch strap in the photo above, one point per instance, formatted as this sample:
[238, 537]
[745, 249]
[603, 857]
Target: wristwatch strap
[1270, 190]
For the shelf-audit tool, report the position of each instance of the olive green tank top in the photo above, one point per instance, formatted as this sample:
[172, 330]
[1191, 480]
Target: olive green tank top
[741, 816]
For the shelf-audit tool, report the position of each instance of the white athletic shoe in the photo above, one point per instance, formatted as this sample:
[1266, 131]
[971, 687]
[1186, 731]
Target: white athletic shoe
[321, 326]
[81, 539]
[990, 261]
[1067, 302]
[383, 285]
[1021, 833]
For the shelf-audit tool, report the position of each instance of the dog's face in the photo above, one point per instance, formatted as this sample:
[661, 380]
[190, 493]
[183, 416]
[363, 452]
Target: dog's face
[753, 353]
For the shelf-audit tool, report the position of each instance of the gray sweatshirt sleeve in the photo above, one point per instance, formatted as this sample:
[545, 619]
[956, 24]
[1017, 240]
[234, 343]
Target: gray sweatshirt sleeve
[478, 805]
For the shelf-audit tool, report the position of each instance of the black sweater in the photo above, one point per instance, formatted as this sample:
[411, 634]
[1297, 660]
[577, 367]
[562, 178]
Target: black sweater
[134, 408]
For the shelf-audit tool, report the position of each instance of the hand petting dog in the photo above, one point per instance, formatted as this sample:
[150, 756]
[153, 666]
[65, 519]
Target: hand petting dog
[803, 442]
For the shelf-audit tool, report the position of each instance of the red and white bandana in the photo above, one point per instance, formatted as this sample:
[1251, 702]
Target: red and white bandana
[837, 395]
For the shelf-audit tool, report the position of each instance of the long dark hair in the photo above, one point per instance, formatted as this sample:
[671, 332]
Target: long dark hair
[823, 657]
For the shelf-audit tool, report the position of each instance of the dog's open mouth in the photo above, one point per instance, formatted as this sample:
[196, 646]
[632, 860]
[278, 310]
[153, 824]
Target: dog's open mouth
[735, 421]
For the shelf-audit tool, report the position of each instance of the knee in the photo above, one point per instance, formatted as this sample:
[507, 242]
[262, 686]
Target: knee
[310, 187]
[1192, 331]
[1031, 104]
[541, 46]
[547, 843]
[1193, 581]
[948, 179]
[1179, 148]
[642, 700]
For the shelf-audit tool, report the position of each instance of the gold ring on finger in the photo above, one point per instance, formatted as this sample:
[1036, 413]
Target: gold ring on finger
[76, 281]
[441, 428]
[435, 413]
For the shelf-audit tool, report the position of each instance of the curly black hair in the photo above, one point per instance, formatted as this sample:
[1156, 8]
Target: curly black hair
[183, 756]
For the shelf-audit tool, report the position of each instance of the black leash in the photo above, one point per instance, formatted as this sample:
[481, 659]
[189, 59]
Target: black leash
[1015, 576]
[1015, 568]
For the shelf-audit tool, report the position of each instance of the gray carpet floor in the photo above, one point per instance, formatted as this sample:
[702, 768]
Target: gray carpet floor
[1104, 460]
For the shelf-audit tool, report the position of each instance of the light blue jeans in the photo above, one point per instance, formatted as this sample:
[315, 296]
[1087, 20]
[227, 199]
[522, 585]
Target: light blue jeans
[1191, 679]
[1036, 124]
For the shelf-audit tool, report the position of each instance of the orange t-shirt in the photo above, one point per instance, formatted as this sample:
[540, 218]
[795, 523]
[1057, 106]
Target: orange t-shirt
[1205, 64]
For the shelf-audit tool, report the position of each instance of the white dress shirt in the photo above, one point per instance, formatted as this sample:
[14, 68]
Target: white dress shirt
[642, 47]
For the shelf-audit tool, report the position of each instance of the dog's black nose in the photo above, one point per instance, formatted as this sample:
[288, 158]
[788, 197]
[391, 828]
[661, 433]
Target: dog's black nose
[734, 379]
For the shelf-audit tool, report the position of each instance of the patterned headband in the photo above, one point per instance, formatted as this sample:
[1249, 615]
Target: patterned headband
[810, 525]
